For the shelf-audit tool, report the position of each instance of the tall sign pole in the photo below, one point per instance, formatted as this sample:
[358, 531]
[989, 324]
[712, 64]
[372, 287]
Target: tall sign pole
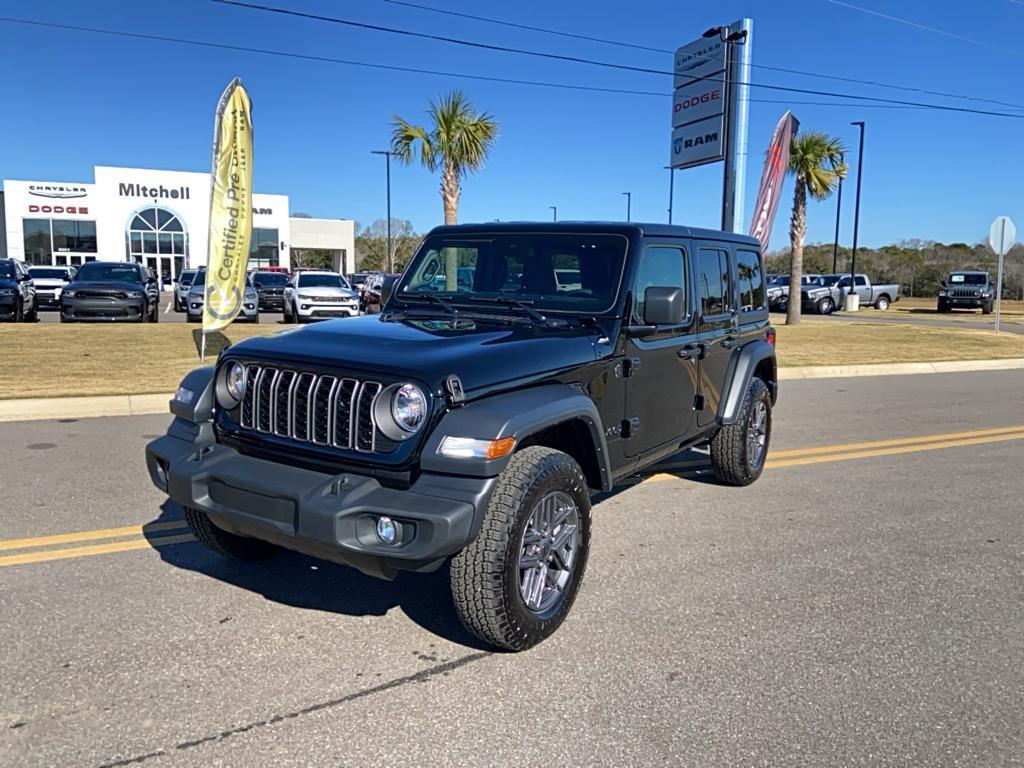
[734, 177]
[1001, 237]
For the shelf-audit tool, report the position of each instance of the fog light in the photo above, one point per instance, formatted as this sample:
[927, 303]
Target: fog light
[387, 531]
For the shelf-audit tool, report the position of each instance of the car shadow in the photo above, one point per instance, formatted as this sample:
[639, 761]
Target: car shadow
[304, 582]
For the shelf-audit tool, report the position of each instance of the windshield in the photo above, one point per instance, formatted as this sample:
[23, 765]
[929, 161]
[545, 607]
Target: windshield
[97, 270]
[261, 279]
[359, 279]
[199, 279]
[961, 279]
[554, 271]
[779, 280]
[6, 272]
[321, 280]
[186, 277]
[48, 273]
[828, 280]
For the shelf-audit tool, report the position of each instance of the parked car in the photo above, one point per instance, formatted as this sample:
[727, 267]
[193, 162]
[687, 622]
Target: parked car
[967, 290]
[358, 280]
[17, 293]
[778, 290]
[182, 285]
[317, 295]
[372, 289]
[474, 425]
[49, 282]
[829, 292]
[270, 289]
[111, 291]
[249, 312]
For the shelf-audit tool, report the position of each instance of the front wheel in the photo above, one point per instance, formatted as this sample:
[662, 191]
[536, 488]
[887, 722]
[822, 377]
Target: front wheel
[739, 450]
[514, 584]
[825, 306]
[226, 544]
[986, 309]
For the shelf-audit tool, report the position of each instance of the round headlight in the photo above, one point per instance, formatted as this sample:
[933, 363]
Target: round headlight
[232, 387]
[409, 407]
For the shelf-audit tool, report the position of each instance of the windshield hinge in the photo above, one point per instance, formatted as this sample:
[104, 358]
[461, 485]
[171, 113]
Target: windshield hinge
[630, 366]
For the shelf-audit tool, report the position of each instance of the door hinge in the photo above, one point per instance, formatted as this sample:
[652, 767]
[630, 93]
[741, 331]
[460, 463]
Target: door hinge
[630, 366]
[630, 427]
[698, 402]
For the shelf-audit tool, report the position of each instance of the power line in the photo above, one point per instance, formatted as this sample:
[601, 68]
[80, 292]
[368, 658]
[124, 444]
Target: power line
[420, 70]
[767, 67]
[936, 30]
[581, 60]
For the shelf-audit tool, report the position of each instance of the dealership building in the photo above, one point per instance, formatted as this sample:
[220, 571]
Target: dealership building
[158, 218]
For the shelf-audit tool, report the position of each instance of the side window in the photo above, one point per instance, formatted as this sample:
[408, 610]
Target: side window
[862, 281]
[660, 266]
[748, 277]
[844, 282]
[713, 278]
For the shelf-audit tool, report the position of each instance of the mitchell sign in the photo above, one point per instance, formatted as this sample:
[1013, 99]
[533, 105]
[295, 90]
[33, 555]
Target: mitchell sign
[153, 193]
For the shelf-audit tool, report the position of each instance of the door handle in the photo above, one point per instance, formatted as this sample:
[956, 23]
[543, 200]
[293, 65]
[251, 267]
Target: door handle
[691, 352]
[729, 341]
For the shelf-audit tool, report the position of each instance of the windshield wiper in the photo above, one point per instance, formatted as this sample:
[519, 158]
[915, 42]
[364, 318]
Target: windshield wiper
[434, 298]
[510, 302]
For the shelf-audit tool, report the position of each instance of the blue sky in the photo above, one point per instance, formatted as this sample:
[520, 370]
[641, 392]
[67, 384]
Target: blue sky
[75, 99]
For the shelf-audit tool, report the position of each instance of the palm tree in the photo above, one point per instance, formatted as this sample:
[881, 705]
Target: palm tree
[816, 160]
[457, 142]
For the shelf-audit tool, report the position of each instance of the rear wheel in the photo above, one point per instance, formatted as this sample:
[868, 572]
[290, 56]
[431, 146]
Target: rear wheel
[739, 450]
[516, 582]
[882, 303]
[226, 544]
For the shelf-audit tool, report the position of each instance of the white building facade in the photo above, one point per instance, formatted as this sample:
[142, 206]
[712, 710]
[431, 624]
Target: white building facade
[158, 218]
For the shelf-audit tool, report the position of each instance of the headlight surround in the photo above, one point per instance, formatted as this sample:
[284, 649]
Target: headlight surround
[134, 294]
[943, 293]
[401, 411]
[7, 291]
[231, 385]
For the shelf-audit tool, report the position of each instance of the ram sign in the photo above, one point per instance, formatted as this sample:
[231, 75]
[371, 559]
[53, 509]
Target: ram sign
[697, 143]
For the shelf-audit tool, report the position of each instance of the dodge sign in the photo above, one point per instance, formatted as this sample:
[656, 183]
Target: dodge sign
[698, 100]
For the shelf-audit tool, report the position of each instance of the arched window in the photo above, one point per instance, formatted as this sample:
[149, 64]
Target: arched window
[157, 238]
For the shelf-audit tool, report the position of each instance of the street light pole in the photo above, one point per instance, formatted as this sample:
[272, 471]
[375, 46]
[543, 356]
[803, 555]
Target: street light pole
[852, 298]
[671, 190]
[839, 207]
[554, 212]
[629, 205]
[388, 266]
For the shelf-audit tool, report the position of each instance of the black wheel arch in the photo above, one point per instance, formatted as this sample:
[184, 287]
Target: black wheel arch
[557, 416]
[754, 360]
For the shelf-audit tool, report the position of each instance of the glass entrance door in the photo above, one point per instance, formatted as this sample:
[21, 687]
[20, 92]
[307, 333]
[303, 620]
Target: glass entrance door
[157, 238]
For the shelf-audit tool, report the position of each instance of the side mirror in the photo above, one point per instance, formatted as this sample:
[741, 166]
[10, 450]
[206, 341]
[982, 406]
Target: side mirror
[386, 288]
[663, 306]
[942, 283]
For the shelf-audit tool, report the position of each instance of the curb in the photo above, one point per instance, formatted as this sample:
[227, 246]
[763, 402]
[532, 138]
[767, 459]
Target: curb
[39, 408]
[898, 369]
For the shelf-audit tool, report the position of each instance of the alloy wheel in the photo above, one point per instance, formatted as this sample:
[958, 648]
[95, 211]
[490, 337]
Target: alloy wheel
[757, 434]
[547, 551]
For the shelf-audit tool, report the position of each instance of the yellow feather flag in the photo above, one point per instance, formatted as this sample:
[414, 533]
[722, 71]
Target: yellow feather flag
[230, 210]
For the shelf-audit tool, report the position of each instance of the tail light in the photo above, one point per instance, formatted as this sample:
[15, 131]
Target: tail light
[769, 336]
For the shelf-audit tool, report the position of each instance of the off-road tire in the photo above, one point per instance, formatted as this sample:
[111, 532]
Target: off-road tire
[986, 309]
[882, 303]
[485, 575]
[226, 544]
[729, 446]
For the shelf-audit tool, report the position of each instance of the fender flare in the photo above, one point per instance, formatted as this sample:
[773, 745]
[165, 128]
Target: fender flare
[519, 415]
[740, 372]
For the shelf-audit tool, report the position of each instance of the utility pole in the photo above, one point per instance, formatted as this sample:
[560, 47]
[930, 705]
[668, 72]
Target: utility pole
[852, 298]
[629, 205]
[388, 266]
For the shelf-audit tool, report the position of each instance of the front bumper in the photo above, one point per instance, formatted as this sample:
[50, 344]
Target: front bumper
[330, 516]
[248, 312]
[271, 303]
[108, 310]
[8, 306]
[317, 310]
[963, 302]
[47, 299]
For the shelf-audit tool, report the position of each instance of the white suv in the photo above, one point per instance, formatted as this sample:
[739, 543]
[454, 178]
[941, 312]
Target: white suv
[316, 295]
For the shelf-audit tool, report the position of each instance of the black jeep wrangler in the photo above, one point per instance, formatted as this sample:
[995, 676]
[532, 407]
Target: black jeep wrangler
[967, 290]
[474, 417]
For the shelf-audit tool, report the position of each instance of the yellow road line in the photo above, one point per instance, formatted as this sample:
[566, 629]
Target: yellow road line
[824, 458]
[105, 533]
[95, 549]
[894, 441]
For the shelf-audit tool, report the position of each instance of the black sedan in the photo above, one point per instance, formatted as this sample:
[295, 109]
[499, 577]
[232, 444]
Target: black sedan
[111, 291]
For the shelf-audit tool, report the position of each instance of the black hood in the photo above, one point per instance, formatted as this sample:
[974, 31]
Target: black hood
[104, 285]
[481, 353]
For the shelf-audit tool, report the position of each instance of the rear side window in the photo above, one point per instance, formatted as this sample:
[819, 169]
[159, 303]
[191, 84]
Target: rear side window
[713, 276]
[749, 280]
[663, 267]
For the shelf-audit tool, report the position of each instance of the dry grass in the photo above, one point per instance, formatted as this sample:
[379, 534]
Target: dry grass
[837, 343]
[51, 360]
[1011, 311]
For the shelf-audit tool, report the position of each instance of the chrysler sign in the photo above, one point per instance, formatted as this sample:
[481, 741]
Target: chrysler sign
[60, 191]
[699, 59]
[698, 143]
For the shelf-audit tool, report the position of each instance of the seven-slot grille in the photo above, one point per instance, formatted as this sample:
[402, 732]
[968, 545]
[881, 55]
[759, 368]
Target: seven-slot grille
[963, 293]
[311, 408]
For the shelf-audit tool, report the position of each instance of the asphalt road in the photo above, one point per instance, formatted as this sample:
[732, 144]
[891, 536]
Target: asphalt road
[859, 605]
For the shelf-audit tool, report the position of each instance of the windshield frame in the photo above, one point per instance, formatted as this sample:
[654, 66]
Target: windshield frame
[469, 302]
[969, 278]
[262, 275]
[93, 266]
[300, 278]
[60, 273]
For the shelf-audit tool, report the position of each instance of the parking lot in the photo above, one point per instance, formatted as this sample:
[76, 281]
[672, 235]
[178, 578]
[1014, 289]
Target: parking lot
[167, 313]
[861, 604]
